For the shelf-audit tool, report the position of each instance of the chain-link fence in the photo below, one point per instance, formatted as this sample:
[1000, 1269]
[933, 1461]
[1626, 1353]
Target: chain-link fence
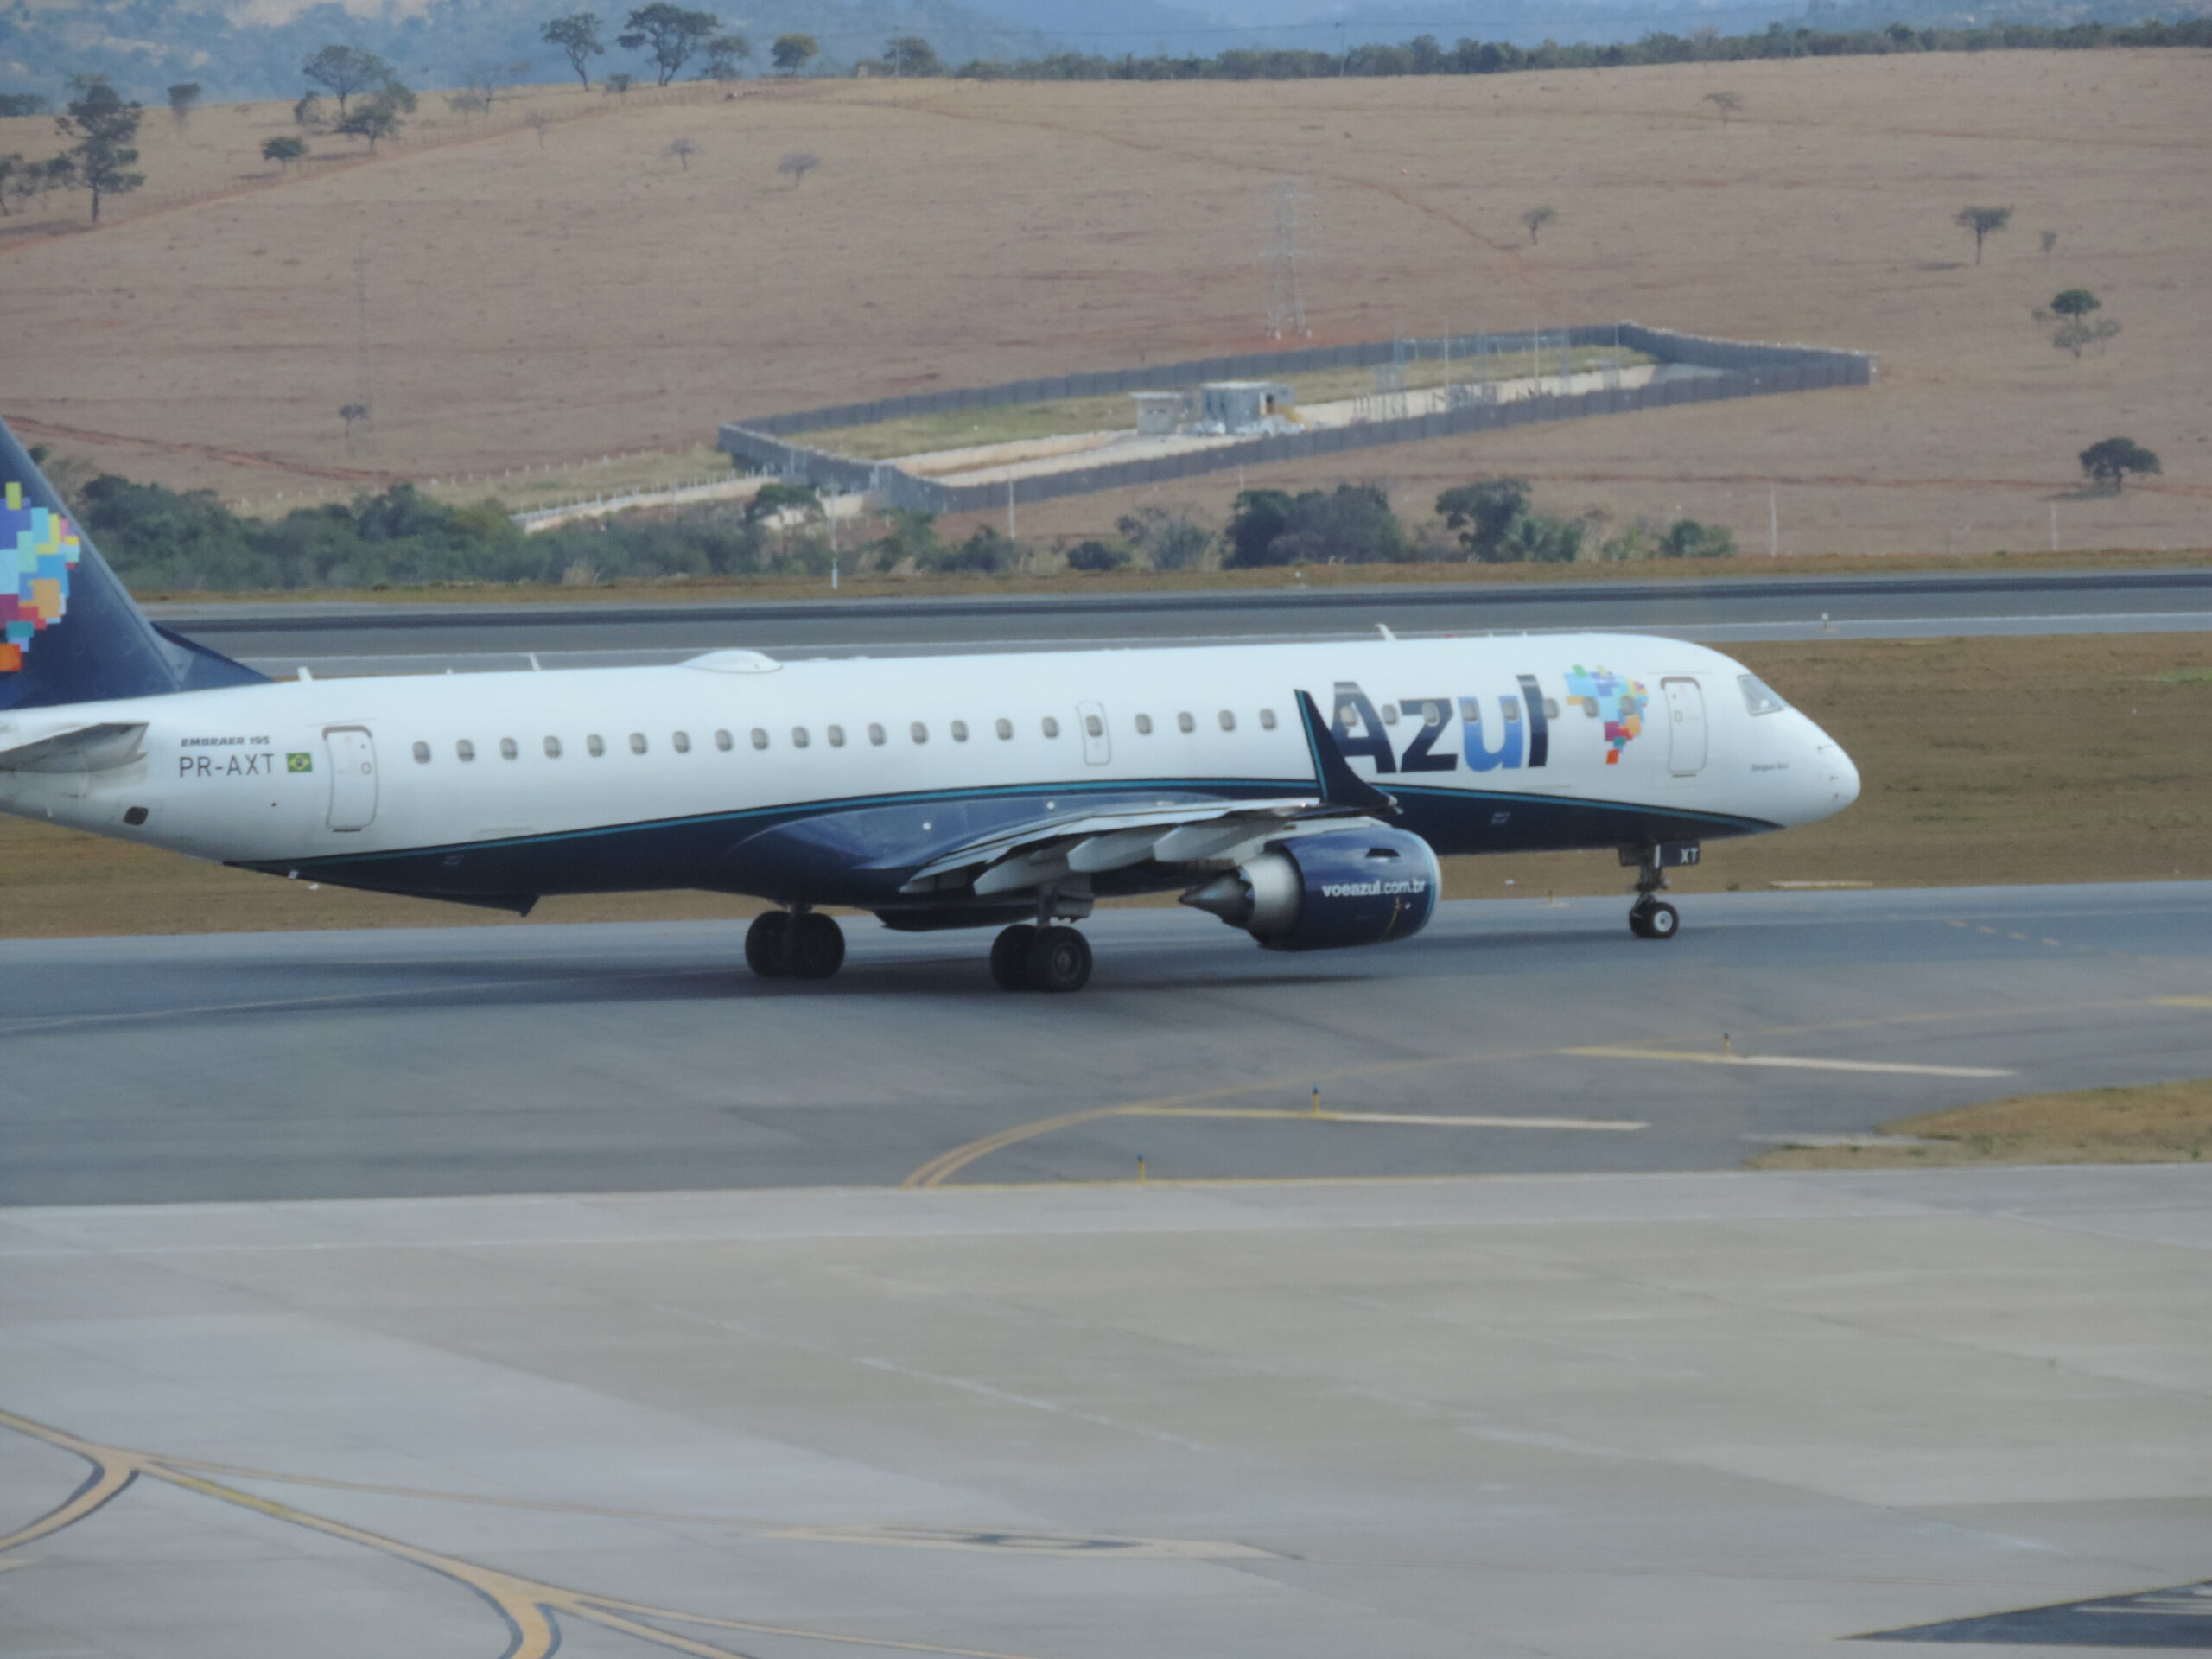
[1732, 369]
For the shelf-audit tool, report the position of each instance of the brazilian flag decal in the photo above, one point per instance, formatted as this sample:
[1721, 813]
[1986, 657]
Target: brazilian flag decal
[299, 763]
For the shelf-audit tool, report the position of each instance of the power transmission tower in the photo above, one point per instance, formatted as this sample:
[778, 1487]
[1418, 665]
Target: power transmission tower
[1286, 309]
[359, 415]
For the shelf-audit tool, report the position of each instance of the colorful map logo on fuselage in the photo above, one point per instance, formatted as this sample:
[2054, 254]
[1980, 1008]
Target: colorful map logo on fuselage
[1617, 700]
[38, 549]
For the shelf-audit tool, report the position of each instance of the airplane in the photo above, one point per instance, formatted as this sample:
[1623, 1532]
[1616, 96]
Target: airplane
[1303, 792]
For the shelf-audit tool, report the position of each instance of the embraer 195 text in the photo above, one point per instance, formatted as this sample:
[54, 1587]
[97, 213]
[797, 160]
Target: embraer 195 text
[1302, 792]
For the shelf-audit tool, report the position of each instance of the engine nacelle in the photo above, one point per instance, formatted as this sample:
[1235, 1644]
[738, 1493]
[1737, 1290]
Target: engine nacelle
[1324, 891]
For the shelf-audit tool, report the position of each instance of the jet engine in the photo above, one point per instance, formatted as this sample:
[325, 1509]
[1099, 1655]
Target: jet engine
[1321, 891]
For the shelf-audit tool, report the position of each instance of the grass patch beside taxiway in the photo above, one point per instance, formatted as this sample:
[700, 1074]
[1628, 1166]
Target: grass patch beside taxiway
[2157, 1124]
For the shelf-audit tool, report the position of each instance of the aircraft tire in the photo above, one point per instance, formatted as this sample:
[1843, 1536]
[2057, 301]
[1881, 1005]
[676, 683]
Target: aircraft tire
[1661, 921]
[1010, 957]
[764, 942]
[1059, 960]
[817, 947]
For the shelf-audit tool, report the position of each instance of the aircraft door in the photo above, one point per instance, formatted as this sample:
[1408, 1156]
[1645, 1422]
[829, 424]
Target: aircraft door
[1097, 747]
[1685, 726]
[352, 755]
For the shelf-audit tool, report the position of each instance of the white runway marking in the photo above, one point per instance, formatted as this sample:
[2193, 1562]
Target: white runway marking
[1792, 1062]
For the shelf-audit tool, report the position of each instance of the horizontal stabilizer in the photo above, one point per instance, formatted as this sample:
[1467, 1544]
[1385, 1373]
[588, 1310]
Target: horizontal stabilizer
[79, 748]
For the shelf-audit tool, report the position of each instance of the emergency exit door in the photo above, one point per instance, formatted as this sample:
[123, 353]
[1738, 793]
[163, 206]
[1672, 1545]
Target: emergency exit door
[1685, 726]
[352, 756]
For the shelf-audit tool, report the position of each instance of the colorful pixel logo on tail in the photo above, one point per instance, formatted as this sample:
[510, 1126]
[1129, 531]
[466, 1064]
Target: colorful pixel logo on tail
[1618, 700]
[38, 549]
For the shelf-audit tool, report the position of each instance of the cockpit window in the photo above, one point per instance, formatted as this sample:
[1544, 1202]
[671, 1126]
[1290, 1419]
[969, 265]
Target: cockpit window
[1758, 696]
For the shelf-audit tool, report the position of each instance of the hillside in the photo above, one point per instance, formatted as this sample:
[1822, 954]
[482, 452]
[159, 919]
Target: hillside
[538, 296]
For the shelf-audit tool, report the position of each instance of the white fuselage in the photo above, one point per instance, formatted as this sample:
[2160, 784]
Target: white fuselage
[311, 770]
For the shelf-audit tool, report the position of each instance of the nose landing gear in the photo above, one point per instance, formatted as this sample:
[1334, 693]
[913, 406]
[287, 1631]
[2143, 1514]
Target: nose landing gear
[794, 945]
[1652, 917]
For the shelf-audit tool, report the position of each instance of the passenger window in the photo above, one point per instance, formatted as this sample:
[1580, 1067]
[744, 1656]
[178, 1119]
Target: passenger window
[1432, 715]
[552, 748]
[423, 754]
[1006, 729]
[1144, 725]
[1052, 727]
[759, 738]
[1268, 720]
[637, 742]
[799, 737]
[1094, 726]
[1185, 723]
[1551, 707]
[875, 735]
[681, 742]
[918, 732]
[1227, 721]
[837, 737]
[960, 731]
[1512, 708]
[465, 750]
[595, 745]
[507, 749]
[724, 741]
[1389, 714]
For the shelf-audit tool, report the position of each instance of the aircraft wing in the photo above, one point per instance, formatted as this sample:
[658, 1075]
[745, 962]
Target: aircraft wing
[1089, 843]
[1033, 855]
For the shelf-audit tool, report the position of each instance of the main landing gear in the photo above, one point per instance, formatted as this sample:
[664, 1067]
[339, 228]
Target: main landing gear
[1652, 917]
[794, 945]
[1030, 957]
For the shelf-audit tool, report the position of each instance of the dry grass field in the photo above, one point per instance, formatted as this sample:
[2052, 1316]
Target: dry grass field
[557, 295]
[2054, 760]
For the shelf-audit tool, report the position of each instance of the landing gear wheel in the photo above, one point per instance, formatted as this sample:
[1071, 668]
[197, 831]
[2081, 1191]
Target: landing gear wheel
[764, 944]
[1655, 918]
[1010, 957]
[816, 946]
[1059, 960]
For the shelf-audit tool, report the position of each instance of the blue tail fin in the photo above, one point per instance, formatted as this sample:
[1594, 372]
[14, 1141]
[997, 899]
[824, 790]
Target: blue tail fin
[69, 630]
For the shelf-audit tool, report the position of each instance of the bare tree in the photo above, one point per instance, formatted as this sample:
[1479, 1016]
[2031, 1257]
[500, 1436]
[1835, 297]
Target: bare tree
[352, 415]
[538, 121]
[2049, 241]
[797, 164]
[1535, 219]
[684, 149]
[1726, 103]
[1983, 222]
[2077, 331]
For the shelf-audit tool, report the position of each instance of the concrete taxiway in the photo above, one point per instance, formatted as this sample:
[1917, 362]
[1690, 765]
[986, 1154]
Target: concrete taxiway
[356, 639]
[1511, 1036]
[1665, 1416]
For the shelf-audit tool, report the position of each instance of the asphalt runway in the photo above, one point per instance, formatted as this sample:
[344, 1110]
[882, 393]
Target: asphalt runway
[356, 639]
[1510, 1037]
